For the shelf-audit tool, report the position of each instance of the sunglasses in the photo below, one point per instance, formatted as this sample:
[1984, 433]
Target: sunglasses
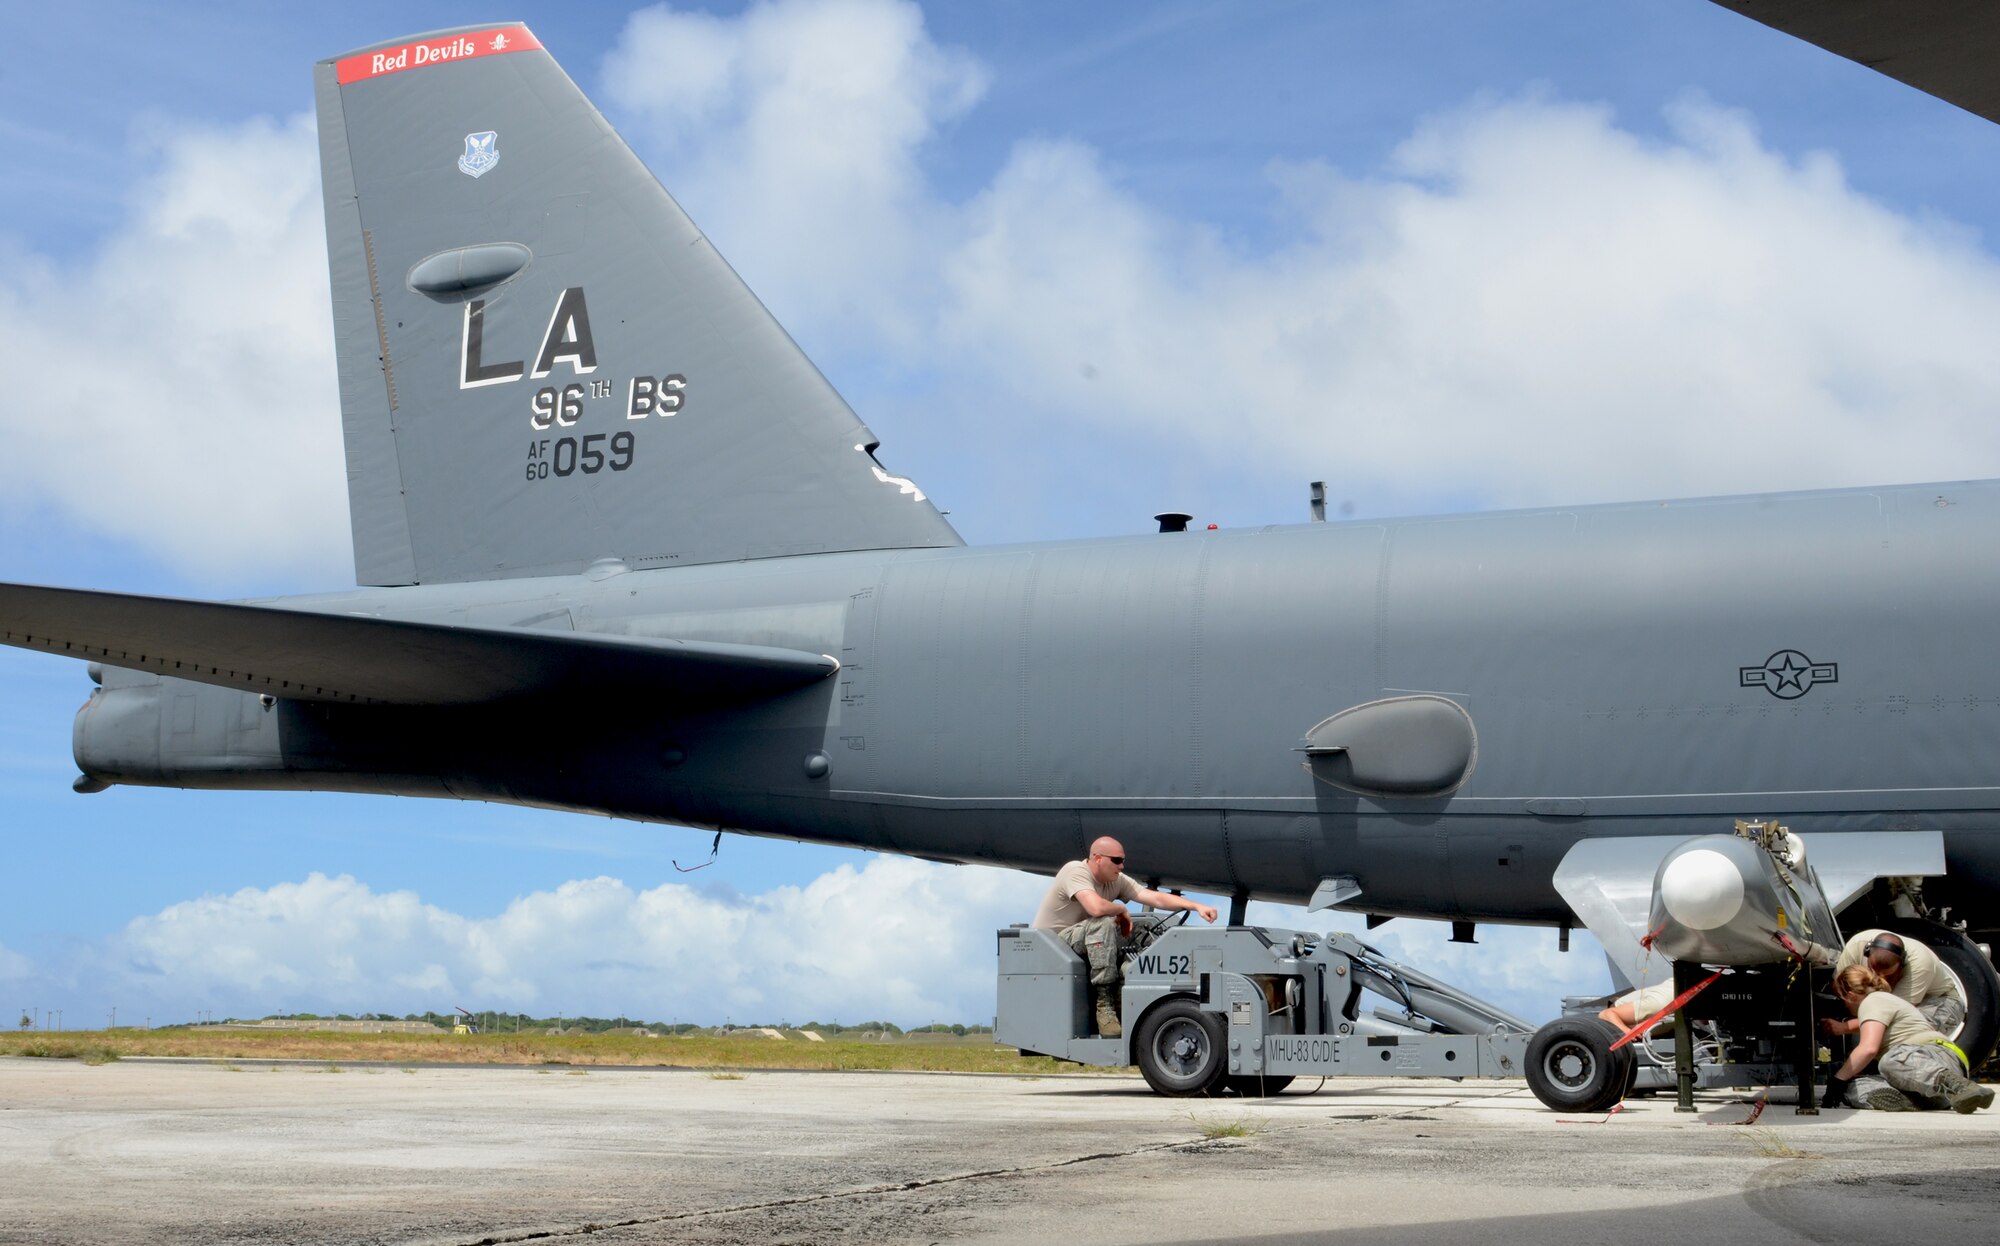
[1112, 859]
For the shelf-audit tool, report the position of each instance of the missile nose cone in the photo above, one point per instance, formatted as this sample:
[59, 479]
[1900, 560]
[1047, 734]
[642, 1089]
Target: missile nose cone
[1702, 889]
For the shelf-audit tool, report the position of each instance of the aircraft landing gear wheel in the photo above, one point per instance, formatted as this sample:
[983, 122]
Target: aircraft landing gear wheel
[1179, 1049]
[1978, 984]
[1251, 1086]
[1572, 1068]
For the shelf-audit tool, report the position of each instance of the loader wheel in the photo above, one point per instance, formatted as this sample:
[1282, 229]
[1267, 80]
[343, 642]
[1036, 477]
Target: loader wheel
[1178, 1048]
[1251, 1086]
[1572, 1068]
[1978, 985]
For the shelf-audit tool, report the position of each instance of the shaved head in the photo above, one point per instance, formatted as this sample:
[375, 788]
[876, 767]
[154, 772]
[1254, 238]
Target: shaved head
[1107, 859]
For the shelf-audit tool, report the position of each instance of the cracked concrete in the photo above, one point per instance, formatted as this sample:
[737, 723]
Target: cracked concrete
[150, 1151]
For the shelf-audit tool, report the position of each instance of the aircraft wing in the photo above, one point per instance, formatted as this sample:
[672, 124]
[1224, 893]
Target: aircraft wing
[1945, 48]
[306, 656]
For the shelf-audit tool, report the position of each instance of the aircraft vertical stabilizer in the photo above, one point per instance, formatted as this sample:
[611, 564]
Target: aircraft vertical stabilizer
[543, 363]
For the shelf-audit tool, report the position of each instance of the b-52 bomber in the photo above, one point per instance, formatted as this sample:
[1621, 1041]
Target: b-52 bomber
[624, 550]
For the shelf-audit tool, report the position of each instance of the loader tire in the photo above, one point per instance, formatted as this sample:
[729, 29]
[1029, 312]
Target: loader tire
[1572, 1068]
[1179, 1048]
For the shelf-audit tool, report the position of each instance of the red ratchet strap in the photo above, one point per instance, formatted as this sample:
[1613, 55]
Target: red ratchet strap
[1653, 1020]
[1756, 1110]
[1616, 1108]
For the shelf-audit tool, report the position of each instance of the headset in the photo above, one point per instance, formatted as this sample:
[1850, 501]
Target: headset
[1889, 944]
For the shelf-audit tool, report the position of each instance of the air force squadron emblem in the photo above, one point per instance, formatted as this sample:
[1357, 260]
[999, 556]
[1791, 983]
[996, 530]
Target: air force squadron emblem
[481, 153]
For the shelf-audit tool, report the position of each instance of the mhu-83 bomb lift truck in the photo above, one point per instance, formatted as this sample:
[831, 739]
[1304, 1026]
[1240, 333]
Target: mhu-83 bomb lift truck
[1247, 1008]
[1739, 924]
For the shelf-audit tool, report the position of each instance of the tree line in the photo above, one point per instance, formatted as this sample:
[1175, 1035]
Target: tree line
[509, 1022]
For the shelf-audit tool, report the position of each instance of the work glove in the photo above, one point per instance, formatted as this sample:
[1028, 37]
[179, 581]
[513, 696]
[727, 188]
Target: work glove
[1836, 1092]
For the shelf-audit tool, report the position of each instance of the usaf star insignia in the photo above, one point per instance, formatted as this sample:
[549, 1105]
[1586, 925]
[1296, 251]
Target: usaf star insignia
[1788, 674]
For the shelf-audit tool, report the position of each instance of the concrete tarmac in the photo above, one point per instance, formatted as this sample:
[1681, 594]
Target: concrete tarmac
[166, 1151]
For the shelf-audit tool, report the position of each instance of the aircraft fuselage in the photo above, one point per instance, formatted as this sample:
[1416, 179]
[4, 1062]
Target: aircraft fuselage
[1649, 668]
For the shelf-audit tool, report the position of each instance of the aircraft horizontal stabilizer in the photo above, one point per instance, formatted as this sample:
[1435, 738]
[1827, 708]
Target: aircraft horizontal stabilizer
[305, 656]
[1941, 47]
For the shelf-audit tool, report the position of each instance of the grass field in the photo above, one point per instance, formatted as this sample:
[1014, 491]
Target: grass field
[928, 1053]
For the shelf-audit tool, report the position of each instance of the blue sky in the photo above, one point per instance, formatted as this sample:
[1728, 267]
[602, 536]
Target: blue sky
[1095, 262]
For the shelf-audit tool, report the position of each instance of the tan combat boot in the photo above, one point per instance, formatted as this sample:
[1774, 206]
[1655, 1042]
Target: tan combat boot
[1108, 1025]
[1890, 1099]
[1965, 1095]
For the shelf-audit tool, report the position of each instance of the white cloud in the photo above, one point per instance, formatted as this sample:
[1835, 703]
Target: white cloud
[13, 965]
[183, 384]
[1529, 305]
[794, 130]
[897, 939]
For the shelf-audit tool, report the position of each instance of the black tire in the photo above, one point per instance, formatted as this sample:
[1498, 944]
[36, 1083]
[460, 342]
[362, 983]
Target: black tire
[1572, 1068]
[1977, 981]
[1251, 1086]
[1179, 1048]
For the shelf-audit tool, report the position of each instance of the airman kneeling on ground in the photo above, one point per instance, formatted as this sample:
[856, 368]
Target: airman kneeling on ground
[1899, 1062]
